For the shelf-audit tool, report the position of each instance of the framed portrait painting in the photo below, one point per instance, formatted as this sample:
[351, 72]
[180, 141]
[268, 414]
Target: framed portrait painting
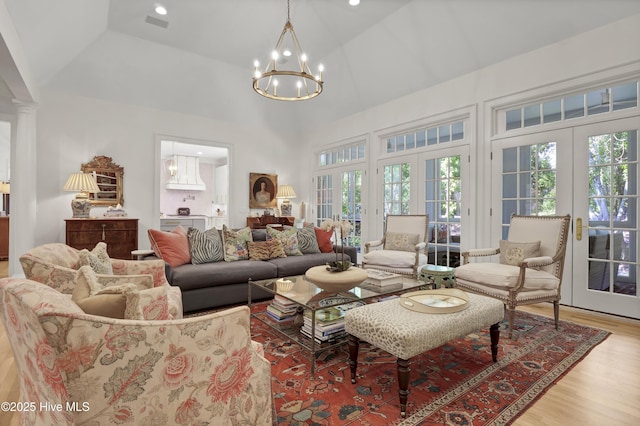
[262, 190]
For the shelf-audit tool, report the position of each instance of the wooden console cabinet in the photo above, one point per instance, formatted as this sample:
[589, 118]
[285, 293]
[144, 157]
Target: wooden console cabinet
[4, 237]
[120, 234]
[263, 221]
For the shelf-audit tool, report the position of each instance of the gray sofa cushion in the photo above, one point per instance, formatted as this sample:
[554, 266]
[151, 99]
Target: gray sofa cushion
[189, 277]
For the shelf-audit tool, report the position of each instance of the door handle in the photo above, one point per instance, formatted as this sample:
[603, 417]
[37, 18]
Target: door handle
[579, 228]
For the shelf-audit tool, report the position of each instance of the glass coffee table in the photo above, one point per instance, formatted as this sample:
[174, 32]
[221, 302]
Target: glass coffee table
[310, 300]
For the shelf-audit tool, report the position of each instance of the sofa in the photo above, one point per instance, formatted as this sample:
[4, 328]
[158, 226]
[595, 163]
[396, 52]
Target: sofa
[222, 282]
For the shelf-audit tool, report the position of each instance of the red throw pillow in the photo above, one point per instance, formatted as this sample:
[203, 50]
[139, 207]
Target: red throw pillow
[324, 240]
[172, 247]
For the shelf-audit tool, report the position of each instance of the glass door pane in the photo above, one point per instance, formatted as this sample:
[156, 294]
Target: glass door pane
[443, 204]
[613, 206]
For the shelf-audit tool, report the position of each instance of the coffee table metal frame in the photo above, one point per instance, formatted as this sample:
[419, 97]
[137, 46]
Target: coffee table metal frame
[309, 297]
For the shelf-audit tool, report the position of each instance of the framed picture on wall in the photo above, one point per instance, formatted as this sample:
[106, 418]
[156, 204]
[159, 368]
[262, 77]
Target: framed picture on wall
[262, 190]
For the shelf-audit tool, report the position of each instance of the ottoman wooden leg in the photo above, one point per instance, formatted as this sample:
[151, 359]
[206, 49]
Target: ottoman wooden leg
[354, 344]
[494, 332]
[403, 384]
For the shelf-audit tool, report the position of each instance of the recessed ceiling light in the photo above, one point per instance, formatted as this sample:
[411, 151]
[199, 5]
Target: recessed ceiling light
[160, 9]
[354, 2]
[286, 52]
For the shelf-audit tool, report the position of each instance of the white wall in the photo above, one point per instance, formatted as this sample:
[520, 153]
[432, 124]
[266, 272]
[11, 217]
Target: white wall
[72, 130]
[603, 48]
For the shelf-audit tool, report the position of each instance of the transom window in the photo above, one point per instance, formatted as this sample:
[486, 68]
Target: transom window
[341, 155]
[599, 101]
[425, 137]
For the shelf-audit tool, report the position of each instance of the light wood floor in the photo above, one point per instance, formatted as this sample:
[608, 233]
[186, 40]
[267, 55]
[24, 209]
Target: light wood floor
[603, 389]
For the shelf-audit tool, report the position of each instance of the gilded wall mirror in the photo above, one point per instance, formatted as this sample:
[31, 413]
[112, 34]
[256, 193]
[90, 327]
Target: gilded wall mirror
[109, 177]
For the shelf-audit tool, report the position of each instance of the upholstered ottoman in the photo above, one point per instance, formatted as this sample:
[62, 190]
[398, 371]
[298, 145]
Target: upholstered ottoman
[405, 333]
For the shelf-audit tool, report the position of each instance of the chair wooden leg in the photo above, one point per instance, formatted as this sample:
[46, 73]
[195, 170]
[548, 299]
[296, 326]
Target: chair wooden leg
[494, 332]
[511, 313]
[556, 312]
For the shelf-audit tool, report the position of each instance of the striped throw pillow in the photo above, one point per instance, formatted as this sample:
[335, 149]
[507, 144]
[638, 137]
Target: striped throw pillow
[307, 240]
[205, 247]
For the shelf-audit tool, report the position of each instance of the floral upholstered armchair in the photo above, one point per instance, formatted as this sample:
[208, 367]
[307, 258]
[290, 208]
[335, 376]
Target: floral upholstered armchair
[56, 265]
[199, 370]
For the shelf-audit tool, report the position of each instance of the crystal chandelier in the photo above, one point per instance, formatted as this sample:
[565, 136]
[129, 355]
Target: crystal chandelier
[296, 83]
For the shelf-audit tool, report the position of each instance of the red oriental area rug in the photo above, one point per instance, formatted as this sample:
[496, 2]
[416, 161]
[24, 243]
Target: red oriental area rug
[456, 384]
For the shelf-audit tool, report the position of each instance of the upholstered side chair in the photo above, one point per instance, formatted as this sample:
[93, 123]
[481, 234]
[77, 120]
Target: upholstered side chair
[56, 264]
[198, 370]
[402, 248]
[530, 267]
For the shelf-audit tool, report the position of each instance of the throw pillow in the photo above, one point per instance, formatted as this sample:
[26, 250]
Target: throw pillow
[513, 253]
[400, 241]
[123, 301]
[288, 238]
[86, 294]
[98, 259]
[307, 240]
[205, 247]
[324, 239]
[235, 243]
[265, 250]
[172, 247]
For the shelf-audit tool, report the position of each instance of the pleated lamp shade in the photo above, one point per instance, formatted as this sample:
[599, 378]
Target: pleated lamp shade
[83, 184]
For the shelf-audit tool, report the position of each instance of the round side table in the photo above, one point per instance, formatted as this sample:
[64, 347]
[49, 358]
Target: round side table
[438, 276]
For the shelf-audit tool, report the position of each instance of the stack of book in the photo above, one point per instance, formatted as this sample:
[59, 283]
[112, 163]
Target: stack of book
[282, 309]
[329, 325]
[382, 280]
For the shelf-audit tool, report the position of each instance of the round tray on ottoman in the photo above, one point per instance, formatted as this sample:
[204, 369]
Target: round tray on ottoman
[335, 281]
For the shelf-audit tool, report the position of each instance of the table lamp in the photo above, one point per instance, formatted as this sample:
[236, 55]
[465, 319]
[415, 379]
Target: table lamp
[5, 190]
[83, 184]
[285, 192]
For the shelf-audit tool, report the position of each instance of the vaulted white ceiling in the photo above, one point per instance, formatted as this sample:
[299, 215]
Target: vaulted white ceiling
[201, 63]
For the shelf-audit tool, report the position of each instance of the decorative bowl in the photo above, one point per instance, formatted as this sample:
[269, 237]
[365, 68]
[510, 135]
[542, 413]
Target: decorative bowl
[284, 286]
[335, 282]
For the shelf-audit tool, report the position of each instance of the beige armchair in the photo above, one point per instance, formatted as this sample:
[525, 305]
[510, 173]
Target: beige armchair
[530, 267]
[56, 264]
[199, 370]
[403, 247]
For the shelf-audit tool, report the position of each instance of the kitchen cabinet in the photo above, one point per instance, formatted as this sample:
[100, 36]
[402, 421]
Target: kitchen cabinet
[120, 235]
[221, 195]
[218, 221]
[168, 224]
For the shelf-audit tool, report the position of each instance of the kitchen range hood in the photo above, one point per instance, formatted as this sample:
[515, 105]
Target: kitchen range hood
[185, 174]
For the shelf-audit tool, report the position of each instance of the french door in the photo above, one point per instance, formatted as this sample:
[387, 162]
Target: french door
[606, 220]
[590, 172]
[433, 182]
[339, 196]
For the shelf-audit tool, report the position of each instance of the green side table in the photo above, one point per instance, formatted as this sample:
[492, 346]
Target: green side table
[436, 275]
